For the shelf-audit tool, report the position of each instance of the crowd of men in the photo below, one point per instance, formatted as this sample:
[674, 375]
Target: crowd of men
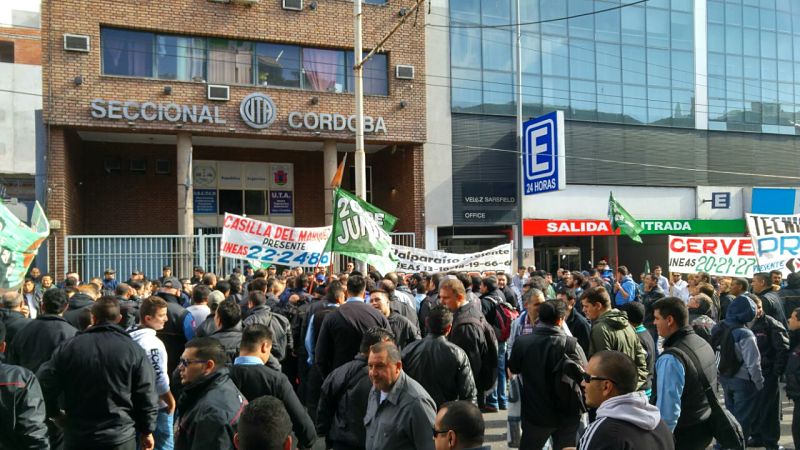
[271, 360]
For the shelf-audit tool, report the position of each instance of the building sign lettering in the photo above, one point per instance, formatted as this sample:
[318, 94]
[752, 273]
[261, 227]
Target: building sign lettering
[150, 111]
[334, 122]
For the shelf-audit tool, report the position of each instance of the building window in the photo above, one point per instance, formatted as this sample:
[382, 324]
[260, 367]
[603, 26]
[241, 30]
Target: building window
[6, 52]
[255, 203]
[127, 52]
[186, 58]
[180, 58]
[374, 74]
[230, 201]
[278, 65]
[323, 69]
[230, 62]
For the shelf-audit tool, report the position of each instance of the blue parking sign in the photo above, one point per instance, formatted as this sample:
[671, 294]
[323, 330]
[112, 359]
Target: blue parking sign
[543, 154]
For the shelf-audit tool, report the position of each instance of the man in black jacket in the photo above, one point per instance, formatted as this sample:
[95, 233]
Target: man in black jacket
[472, 333]
[210, 404]
[773, 345]
[281, 329]
[578, 325]
[441, 367]
[340, 336]
[625, 419]
[534, 357]
[80, 307]
[229, 327]
[34, 344]
[344, 396]
[688, 414]
[770, 300]
[431, 300]
[22, 411]
[107, 383]
[255, 379]
[11, 315]
[179, 327]
[404, 331]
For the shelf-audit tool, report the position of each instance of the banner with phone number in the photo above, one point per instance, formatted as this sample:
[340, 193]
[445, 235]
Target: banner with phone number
[717, 256]
[497, 259]
[269, 243]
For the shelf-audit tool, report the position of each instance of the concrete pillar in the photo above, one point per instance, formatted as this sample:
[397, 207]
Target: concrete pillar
[331, 163]
[183, 264]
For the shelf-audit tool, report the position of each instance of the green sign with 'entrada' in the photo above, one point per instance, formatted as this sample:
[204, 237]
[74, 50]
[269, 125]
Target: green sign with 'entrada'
[696, 226]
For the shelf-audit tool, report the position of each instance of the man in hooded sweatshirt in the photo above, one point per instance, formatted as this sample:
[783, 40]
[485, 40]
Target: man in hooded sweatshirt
[611, 330]
[625, 419]
[740, 379]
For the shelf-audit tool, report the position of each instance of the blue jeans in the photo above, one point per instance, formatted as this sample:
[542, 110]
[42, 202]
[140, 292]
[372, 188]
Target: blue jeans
[163, 433]
[498, 397]
[740, 399]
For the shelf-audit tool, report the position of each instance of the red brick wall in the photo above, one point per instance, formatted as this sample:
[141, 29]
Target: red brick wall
[131, 203]
[27, 44]
[398, 187]
[330, 25]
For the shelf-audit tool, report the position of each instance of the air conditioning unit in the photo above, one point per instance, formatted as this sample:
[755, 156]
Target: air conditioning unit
[76, 43]
[219, 92]
[295, 5]
[404, 72]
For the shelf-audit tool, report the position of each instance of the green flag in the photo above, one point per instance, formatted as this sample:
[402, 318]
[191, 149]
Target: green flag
[361, 231]
[620, 219]
[19, 244]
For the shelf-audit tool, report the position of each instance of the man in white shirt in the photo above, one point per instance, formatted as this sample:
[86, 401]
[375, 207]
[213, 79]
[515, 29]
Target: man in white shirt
[153, 312]
[678, 287]
[199, 308]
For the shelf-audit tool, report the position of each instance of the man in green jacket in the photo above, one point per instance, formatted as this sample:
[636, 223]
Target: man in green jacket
[611, 330]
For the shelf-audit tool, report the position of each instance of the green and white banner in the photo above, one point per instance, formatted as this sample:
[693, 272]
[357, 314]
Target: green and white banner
[361, 231]
[19, 244]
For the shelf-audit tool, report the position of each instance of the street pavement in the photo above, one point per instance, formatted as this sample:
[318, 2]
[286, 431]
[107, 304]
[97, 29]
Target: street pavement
[496, 428]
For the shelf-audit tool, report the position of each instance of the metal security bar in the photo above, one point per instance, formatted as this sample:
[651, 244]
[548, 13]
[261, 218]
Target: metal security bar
[90, 256]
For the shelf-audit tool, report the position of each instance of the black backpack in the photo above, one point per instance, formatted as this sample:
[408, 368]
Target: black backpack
[723, 341]
[566, 377]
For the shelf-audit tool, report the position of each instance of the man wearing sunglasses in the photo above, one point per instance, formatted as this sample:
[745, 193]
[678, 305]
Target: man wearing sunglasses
[625, 419]
[210, 405]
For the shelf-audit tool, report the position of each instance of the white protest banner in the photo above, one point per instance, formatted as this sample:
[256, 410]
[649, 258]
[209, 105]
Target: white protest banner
[250, 239]
[497, 259]
[776, 240]
[718, 256]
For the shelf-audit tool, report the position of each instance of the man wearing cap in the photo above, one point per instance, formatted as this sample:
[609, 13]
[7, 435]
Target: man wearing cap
[110, 281]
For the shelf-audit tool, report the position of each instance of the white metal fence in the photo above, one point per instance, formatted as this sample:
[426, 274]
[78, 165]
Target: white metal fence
[91, 255]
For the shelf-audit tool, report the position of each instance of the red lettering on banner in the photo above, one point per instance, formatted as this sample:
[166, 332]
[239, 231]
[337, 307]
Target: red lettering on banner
[709, 246]
[677, 245]
[236, 249]
[694, 246]
[541, 227]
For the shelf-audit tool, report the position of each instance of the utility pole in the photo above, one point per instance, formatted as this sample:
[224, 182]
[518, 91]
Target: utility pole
[358, 76]
[520, 190]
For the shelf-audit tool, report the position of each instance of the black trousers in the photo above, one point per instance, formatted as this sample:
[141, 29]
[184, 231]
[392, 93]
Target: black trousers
[130, 445]
[693, 437]
[766, 426]
[534, 436]
[796, 423]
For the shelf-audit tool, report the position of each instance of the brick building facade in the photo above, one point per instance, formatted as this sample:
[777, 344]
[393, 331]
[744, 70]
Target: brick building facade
[114, 167]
